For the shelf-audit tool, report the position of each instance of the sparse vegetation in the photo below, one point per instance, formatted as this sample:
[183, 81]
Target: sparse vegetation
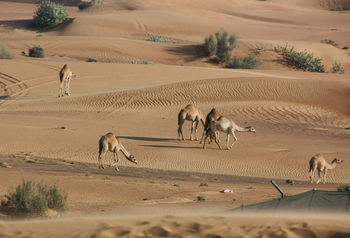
[156, 38]
[344, 188]
[176, 184]
[84, 5]
[30, 199]
[139, 62]
[49, 13]
[249, 62]
[220, 46]
[203, 184]
[301, 60]
[92, 60]
[4, 52]
[37, 52]
[329, 42]
[200, 198]
[337, 68]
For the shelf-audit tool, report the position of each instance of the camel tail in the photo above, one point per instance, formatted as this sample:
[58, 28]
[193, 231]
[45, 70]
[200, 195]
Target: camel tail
[179, 117]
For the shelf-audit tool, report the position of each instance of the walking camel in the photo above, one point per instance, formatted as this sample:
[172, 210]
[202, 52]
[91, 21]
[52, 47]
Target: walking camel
[319, 163]
[65, 77]
[211, 116]
[189, 113]
[110, 142]
[228, 126]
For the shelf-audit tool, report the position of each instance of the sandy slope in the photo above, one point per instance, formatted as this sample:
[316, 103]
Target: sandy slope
[296, 114]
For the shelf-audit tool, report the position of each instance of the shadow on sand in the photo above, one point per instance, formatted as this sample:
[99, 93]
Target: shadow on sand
[146, 138]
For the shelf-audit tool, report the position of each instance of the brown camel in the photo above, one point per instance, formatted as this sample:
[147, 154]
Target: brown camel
[110, 142]
[211, 116]
[65, 77]
[189, 113]
[319, 163]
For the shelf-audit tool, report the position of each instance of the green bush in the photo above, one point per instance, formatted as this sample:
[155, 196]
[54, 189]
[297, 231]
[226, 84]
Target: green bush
[83, 5]
[4, 52]
[37, 52]
[301, 60]
[156, 38]
[49, 14]
[249, 62]
[220, 46]
[344, 188]
[337, 68]
[30, 199]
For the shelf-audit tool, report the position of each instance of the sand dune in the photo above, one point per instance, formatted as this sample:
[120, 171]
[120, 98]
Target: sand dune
[136, 90]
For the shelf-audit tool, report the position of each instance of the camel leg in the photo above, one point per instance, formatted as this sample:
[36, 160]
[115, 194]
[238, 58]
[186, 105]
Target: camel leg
[319, 176]
[67, 87]
[311, 176]
[227, 140]
[100, 164]
[216, 139]
[206, 137]
[196, 129]
[60, 90]
[179, 132]
[234, 139]
[201, 140]
[324, 176]
[116, 160]
[192, 129]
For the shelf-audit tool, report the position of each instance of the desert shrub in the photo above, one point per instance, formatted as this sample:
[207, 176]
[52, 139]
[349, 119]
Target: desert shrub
[49, 14]
[220, 46]
[4, 52]
[30, 199]
[301, 60]
[37, 52]
[200, 198]
[139, 62]
[337, 68]
[249, 62]
[344, 188]
[329, 42]
[156, 38]
[84, 5]
[92, 60]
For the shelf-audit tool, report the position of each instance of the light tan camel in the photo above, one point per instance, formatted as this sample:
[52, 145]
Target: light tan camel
[110, 142]
[211, 116]
[189, 113]
[65, 77]
[319, 163]
[228, 126]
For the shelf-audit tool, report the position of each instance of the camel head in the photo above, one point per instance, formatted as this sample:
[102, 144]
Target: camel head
[251, 129]
[338, 161]
[132, 159]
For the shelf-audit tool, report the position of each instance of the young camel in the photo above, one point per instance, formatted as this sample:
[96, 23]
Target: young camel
[189, 113]
[225, 125]
[211, 116]
[65, 77]
[110, 142]
[318, 162]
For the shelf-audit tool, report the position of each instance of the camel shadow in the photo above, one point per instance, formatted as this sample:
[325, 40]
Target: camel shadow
[173, 146]
[146, 138]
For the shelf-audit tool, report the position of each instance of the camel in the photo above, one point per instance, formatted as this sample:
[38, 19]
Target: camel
[189, 113]
[211, 116]
[65, 77]
[110, 142]
[228, 126]
[319, 163]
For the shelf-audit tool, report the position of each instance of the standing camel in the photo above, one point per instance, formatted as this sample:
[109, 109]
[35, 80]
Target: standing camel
[110, 142]
[65, 77]
[211, 116]
[319, 163]
[189, 113]
[225, 125]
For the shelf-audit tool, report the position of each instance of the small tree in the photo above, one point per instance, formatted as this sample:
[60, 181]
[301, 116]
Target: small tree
[49, 14]
[37, 52]
[221, 45]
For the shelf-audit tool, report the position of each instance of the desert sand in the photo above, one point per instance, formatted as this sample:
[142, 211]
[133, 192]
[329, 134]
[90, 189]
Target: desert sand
[55, 140]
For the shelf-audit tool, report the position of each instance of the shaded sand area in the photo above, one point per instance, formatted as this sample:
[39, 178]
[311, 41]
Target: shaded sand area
[136, 90]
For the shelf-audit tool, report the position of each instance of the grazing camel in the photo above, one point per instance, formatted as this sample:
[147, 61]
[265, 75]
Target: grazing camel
[110, 142]
[189, 113]
[225, 125]
[318, 162]
[211, 116]
[65, 77]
